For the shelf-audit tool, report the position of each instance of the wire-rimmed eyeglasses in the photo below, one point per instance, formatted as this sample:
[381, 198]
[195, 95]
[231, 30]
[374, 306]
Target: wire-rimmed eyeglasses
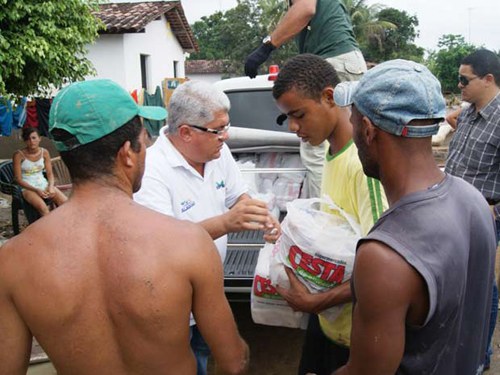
[217, 132]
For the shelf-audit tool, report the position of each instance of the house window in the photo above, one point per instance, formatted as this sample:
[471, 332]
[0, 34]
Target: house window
[145, 62]
[176, 67]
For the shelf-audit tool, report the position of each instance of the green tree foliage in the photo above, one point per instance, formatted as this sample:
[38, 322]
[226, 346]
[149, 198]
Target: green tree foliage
[384, 33]
[42, 44]
[232, 35]
[444, 62]
[397, 41]
[368, 29]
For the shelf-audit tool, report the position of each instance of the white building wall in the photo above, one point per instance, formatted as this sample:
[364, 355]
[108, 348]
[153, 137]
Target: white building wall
[205, 77]
[117, 56]
[107, 56]
[162, 47]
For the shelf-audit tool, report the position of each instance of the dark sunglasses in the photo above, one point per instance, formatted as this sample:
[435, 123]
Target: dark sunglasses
[464, 81]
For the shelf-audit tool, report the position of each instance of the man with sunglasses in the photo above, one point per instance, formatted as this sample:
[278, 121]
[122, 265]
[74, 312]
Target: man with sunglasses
[474, 152]
[190, 174]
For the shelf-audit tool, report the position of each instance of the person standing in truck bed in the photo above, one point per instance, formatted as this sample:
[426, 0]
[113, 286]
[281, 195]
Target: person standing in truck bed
[323, 28]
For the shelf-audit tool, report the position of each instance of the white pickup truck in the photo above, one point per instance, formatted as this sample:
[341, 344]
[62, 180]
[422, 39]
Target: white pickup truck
[269, 159]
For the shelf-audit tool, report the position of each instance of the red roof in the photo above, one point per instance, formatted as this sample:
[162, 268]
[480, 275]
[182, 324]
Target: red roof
[204, 66]
[121, 18]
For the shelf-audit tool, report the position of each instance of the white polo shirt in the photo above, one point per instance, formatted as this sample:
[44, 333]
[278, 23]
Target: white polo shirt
[171, 186]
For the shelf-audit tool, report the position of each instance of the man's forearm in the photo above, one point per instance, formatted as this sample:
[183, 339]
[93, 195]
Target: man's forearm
[214, 226]
[217, 226]
[336, 296]
[296, 19]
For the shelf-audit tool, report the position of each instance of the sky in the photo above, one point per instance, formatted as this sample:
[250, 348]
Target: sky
[476, 20]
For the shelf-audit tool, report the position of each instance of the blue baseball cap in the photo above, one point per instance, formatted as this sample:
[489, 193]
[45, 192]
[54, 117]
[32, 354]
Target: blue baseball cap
[394, 93]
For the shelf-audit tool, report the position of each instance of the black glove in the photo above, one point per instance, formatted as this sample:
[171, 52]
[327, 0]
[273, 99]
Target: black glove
[256, 58]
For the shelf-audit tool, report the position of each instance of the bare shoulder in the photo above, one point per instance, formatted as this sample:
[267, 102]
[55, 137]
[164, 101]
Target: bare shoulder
[379, 272]
[179, 233]
[165, 241]
[17, 155]
[157, 221]
[11, 259]
[46, 153]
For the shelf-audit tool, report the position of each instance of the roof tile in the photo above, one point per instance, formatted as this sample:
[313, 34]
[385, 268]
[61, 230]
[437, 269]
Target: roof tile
[120, 18]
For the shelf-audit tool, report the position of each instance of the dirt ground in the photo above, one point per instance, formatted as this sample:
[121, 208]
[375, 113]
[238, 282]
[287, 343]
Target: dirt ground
[274, 350]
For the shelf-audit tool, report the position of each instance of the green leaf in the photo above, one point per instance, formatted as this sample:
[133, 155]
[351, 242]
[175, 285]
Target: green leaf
[41, 43]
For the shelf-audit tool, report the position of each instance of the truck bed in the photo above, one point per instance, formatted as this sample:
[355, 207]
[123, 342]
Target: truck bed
[239, 265]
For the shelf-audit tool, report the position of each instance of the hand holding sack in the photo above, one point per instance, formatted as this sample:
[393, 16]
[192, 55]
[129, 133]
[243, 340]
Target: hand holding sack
[320, 248]
[267, 306]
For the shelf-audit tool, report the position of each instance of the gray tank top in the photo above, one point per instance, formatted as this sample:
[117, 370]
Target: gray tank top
[447, 234]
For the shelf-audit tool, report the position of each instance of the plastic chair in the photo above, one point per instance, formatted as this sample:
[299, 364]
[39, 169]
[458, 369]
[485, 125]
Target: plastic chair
[62, 178]
[9, 187]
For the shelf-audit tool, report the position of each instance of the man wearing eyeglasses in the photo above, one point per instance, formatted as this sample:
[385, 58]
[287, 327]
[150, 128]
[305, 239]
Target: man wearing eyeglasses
[474, 152]
[190, 174]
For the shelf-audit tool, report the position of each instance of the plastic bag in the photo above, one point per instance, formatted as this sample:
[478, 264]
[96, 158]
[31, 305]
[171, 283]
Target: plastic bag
[267, 306]
[318, 246]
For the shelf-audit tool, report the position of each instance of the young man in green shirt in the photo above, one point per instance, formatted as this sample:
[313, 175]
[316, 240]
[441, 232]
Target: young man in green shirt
[304, 91]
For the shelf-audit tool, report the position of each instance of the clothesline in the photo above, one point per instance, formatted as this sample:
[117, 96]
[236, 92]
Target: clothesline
[34, 113]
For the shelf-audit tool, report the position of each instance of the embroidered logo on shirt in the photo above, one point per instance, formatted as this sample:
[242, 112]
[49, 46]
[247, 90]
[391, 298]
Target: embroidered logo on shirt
[220, 185]
[186, 205]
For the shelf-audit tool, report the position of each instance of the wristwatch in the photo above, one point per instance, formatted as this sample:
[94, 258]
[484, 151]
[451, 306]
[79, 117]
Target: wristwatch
[267, 40]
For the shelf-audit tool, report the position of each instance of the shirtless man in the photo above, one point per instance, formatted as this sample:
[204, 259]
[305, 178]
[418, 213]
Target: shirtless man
[105, 285]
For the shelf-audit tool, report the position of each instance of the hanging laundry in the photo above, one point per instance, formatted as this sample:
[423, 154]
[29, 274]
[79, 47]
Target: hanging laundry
[43, 109]
[19, 113]
[31, 115]
[153, 127]
[5, 117]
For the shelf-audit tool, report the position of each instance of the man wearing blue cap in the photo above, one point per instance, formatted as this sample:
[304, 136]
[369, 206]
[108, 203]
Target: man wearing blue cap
[422, 275]
[106, 285]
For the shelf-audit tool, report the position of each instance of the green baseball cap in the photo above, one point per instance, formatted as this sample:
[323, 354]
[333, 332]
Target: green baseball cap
[89, 110]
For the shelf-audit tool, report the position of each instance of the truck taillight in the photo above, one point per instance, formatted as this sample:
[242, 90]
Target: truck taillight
[273, 72]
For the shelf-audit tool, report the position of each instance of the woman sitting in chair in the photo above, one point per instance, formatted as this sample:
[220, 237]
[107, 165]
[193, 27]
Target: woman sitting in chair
[29, 164]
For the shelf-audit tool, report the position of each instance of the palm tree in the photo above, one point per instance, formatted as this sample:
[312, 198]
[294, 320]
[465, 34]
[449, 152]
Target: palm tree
[368, 29]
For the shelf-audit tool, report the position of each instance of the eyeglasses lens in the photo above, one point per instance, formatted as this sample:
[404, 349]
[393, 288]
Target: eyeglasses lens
[463, 80]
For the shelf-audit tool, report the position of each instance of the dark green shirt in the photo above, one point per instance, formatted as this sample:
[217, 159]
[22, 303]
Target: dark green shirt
[329, 32]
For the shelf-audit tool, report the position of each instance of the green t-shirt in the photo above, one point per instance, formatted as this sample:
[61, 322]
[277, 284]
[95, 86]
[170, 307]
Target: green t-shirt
[329, 32]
